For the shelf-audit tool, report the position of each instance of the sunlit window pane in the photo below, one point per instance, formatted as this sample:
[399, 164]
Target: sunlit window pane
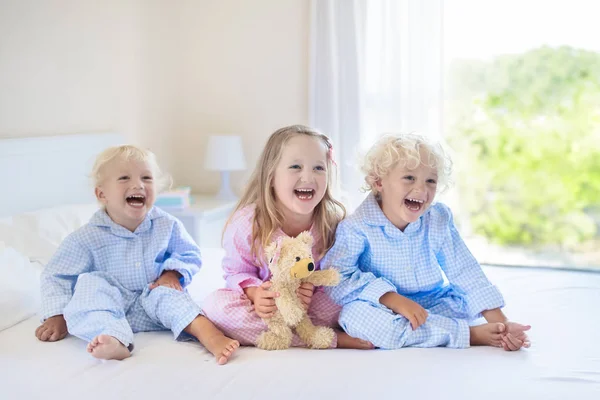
[522, 111]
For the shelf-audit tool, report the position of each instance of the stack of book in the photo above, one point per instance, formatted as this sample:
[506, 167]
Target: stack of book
[177, 198]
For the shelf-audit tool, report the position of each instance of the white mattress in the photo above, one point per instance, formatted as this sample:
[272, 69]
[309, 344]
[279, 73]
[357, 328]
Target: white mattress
[564, 361]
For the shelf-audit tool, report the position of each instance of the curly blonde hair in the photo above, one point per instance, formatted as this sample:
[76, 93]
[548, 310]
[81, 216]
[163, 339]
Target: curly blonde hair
[259, 191]
[129, 153]
[406, 148]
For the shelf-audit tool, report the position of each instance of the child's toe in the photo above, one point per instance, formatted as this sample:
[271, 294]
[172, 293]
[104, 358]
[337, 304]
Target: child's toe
[222, 360]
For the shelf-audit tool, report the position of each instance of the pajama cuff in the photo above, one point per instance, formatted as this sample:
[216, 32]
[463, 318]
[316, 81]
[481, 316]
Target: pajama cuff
[125, 338]
[54, 305]
[463, 338]
[184, 321]
[374, 290]
[182, 269]
[486, 298]
[242, 281]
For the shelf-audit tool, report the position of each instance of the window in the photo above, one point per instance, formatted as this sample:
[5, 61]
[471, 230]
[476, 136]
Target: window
[522, 113]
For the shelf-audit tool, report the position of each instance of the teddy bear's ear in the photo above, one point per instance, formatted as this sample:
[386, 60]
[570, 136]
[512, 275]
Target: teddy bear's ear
[306, 238]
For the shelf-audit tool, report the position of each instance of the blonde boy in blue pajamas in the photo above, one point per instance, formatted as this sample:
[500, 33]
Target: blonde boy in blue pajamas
[394, 251]
[127, 269]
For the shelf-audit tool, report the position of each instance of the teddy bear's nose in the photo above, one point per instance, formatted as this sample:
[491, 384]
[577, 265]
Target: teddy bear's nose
[311, 267]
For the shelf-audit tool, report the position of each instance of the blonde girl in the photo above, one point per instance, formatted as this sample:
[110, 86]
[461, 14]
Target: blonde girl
[288, 193]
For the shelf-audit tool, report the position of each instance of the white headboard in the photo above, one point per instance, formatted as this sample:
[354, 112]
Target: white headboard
[49, 171]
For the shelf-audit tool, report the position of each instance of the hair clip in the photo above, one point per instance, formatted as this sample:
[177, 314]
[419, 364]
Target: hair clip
[331, 156]
[330, 152]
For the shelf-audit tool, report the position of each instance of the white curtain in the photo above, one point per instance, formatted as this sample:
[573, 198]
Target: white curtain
[376, 67]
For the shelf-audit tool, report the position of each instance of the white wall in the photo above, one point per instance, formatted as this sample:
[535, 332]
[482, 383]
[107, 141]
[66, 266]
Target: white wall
[164, 73]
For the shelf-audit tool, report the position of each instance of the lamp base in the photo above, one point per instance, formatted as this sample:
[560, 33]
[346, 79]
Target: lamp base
[225, 193]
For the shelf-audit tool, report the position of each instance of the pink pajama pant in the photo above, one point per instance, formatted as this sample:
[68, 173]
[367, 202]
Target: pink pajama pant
[233, 313]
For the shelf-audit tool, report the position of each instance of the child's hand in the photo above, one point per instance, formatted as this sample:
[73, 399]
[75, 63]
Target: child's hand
[53, 329]
[412, 311]
[515, 337]
[168, 279]
[263, 299]
[305, 292]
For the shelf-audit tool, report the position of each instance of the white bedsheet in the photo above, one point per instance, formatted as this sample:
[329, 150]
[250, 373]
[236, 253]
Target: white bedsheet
[564, 361]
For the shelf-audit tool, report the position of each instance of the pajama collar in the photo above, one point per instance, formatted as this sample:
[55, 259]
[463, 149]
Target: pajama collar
[374, 216]
[101, 219]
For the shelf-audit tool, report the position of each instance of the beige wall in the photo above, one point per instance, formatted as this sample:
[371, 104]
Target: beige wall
[246, 72]
[164, 73]
[58, 66]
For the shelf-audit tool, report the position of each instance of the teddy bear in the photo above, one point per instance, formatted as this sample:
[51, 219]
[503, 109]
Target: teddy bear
[291, 263]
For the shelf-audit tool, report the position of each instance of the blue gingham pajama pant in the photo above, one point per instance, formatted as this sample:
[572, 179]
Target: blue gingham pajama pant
[100, 305]
[446, 324]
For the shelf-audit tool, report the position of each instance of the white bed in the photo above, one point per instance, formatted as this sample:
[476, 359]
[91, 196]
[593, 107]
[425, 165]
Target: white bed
[564, 361]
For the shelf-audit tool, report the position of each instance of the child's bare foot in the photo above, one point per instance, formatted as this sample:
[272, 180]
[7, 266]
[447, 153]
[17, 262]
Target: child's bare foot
[489, 334]
[107, 347]
[514, 337]
[345, 341]
[213, 339]
[221, 347]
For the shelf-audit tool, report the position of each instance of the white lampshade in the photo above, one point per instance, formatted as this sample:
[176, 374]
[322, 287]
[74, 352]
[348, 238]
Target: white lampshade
[225, 153]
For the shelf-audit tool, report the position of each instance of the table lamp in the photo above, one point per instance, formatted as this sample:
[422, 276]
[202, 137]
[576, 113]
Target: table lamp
[225, 154]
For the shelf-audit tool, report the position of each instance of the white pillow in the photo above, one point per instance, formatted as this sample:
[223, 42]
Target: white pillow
[38, 234]
[19, 287]
[25, 242]
[210, 277]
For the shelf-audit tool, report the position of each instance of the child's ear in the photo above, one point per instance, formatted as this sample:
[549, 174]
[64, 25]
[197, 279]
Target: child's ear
[100, 195]
[378, 185]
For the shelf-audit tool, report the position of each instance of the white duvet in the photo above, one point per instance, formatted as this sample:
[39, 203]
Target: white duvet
[563, 363]
[19, 287]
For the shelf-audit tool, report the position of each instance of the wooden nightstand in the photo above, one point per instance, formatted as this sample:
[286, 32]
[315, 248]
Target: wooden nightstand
[204, 219]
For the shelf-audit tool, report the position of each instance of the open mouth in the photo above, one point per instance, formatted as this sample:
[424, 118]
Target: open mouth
[304, 194]
[136, 200]
[414, 204]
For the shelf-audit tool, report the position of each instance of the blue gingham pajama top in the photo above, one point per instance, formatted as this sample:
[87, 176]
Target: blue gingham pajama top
[374, 257]
[99, 276]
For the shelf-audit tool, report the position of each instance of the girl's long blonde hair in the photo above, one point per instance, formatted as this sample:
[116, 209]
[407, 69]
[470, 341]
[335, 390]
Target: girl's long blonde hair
[259, 191]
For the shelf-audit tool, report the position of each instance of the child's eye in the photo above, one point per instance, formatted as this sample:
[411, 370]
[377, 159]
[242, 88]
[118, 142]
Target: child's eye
[295, 166]
[432, 181]
[147, 178]
[123, 178]
[409, 177]
[320, 168]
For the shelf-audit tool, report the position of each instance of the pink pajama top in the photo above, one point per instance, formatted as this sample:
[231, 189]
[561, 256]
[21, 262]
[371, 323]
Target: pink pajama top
[241, 269]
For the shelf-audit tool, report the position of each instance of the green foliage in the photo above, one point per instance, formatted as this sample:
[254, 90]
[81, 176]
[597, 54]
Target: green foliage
[527, 130]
